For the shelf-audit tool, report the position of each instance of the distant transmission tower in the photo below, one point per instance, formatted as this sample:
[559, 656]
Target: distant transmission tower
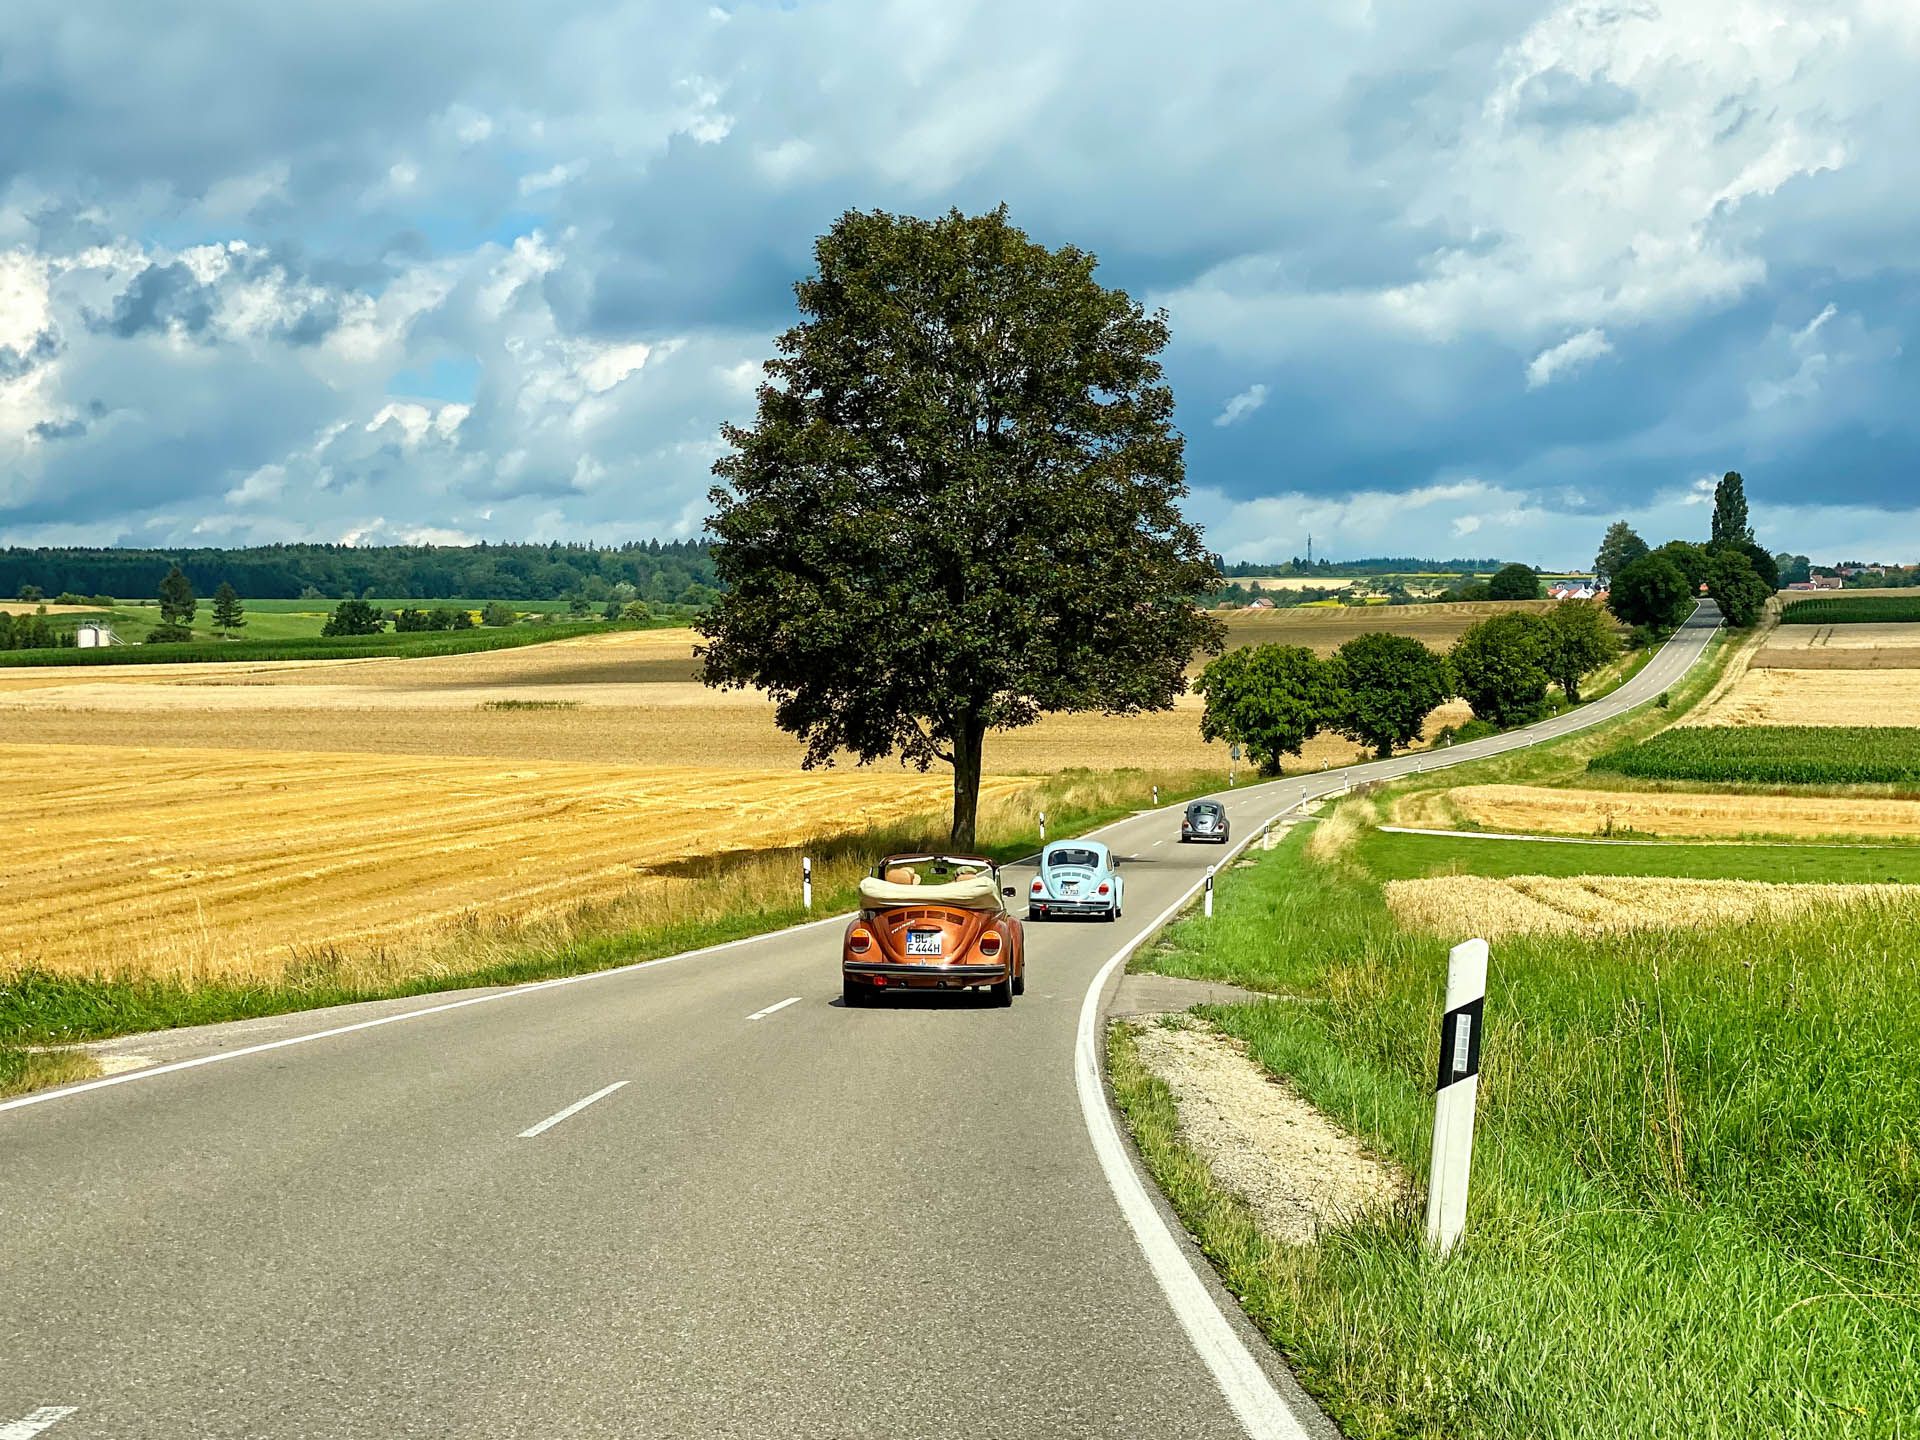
[1309, 547]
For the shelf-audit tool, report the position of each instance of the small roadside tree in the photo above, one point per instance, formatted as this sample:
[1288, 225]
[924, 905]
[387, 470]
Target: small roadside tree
[1499, 668]
[1651, 592]
[957, 508]
[228, 614]
[1385, 687]
[1580, 639]
[1736, 589]
[1514, 582]
[1268, 699]
[1619, 548]
[354, 617]
[498, 612]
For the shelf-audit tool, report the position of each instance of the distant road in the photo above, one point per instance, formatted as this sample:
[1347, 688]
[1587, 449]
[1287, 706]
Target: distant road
[693, 1199]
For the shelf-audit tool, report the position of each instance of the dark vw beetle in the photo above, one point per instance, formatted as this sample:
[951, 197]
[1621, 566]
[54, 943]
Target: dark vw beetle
[1204, 820]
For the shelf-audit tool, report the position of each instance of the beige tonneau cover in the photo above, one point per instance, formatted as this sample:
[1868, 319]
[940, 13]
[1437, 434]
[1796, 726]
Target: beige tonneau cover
[970, 892]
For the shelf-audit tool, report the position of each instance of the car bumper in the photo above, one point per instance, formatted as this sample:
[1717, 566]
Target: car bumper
[1217, 835]
[1070, 907]
[890, 973]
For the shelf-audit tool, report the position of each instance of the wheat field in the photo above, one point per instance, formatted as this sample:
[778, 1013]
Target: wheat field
[1539, 809]
[191, 864]
[1462, 905]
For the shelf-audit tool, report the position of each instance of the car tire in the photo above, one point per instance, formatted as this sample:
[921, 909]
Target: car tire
[1001, 995]
[1020, 982]
[855, 993]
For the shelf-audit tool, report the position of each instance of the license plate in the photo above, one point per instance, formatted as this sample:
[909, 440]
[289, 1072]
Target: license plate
[923, 942]
[1070, 887]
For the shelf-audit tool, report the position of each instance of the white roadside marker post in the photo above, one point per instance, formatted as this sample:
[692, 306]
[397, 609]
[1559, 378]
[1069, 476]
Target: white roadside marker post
[1456, 1092]
[1209, 889]
[1043, 827]
[806, 882]
[1156, 797]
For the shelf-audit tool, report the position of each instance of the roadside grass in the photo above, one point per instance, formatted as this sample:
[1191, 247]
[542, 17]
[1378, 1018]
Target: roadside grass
[1696, 1206]
[1413, 857]
[23, 1070]
[701, 901]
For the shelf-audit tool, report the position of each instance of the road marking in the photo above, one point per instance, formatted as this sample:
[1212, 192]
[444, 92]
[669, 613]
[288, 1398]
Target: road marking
[573, 1109]
[44, 1418]
[762, 1014]
[1262, 1410]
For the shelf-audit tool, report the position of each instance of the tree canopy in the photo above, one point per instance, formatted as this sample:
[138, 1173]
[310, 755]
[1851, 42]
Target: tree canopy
[1387, 685]
[1731, 525]
[354, 617]
[228, 615]
[957, 508]
[1740, 593]
[1514, 582]
[1268, 699]
[1579, 639]
[1619, 548]
[1499, 668]
[1651, 592]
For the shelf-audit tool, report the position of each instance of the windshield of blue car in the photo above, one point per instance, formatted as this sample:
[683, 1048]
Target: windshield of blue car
[1082, 859]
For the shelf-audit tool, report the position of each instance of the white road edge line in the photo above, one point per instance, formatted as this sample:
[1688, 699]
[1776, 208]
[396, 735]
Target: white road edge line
[1261, 1409]
[43, 1418]
[762, 1014]
[573, 1109]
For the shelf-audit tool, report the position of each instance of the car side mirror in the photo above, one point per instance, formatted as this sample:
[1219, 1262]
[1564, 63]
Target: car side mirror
[1008, 891]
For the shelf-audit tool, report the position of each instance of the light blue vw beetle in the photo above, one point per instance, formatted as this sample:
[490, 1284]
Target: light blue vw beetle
[1077, 877]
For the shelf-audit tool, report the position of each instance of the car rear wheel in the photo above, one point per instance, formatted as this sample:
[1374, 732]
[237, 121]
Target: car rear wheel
[1001, 994]
[854, 992]
[1020, 983]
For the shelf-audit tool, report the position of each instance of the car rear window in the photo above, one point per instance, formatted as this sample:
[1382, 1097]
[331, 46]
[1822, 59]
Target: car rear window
[1087, 859]
[1208, 810]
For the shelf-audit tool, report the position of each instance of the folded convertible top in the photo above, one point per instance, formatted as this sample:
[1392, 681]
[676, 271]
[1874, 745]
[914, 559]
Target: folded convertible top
[975, 892]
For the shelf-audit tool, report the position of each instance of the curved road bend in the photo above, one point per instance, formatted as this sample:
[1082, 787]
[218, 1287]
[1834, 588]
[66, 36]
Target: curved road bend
[881, 1222]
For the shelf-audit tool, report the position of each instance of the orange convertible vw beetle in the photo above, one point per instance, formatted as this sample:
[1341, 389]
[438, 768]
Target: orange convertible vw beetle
[933, 922]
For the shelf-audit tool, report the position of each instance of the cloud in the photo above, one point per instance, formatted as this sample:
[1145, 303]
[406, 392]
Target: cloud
[1569, 357]
[1241, 406]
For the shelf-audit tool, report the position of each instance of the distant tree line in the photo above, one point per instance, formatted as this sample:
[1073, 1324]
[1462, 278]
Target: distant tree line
[1655, 590]
[32, 632]
[1372, 565]
[1378, 689]
[673, 572]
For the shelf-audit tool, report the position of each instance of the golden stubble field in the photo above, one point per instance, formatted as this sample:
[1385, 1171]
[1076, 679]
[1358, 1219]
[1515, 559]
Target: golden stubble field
[231, 819]
[1590, 904]
[1540, 809]
[203, 863]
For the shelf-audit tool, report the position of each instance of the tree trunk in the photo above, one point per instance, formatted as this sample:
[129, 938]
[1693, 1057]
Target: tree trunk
[968, 746]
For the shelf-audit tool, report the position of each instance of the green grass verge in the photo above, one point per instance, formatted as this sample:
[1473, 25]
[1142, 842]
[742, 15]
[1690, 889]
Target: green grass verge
[24, 1070]
[1413, 857]
[1853, 610]
[1696, 1206]
[1771, 755]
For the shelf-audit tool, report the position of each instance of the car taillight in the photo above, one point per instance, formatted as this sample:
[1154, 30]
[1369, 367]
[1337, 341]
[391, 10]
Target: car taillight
[859, 942]
[1105, 889]
[989, 945]
[1037, 886]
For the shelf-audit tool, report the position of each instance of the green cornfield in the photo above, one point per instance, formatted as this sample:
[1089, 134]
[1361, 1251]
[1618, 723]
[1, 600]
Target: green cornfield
[1853, 610]
[1772, 755]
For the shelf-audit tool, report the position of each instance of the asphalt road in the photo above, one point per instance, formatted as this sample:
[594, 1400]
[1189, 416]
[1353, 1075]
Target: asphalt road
[786, 1220]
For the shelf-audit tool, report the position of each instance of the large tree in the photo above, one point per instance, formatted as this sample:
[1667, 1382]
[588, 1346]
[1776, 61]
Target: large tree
[1387, 685]
[354, 617]
[178, 607]
[1690, 559]
[1736, 589]
[958, 507]
[1268, 699]
[1651, 592]
[1514, 582]
[1580, 639]
[1730, 523]
[1619, 548]
[1499, 668]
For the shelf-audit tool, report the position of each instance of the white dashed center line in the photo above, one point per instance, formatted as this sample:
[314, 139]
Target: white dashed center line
[553, 1120]
[762, 1014]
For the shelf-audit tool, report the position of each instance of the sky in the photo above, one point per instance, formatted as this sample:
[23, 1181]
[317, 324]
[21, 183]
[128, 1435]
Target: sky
[1463, 279]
